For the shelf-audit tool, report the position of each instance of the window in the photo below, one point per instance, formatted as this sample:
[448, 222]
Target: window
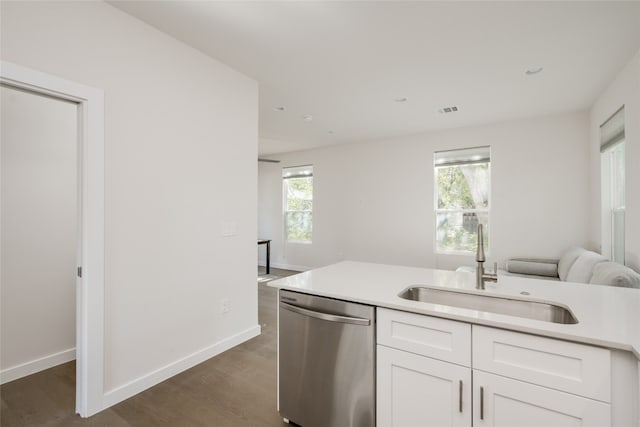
[298, 203]
[462, 183]
[612, 170]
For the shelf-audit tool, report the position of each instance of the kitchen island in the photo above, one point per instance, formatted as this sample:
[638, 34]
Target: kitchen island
[588, 370]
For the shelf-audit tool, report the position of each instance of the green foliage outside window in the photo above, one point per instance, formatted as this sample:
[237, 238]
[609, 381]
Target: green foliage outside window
[299, 208]
[462, 203]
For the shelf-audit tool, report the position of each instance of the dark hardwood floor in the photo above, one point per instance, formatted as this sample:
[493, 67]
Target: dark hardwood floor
[235, 388]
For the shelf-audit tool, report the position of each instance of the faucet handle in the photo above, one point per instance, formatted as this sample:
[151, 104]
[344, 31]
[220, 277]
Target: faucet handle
[495, 268]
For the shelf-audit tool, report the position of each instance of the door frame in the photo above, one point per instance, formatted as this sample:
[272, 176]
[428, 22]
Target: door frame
[90, 286]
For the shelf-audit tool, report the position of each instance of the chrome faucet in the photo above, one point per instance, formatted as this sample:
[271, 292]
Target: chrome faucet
[481, 276]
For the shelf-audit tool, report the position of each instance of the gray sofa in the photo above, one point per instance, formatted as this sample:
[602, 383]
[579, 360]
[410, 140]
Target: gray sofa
[575, 265]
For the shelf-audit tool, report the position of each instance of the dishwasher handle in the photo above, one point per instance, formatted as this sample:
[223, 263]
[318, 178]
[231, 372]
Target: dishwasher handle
[325, 316]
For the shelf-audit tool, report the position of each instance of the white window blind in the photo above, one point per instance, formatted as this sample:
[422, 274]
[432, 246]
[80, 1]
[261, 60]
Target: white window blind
[297, 172]
[462, 156]
[612, 130]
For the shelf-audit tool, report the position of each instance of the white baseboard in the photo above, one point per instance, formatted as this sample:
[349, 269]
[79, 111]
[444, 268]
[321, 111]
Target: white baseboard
[144, 382]
[284, 266]
[28, 368]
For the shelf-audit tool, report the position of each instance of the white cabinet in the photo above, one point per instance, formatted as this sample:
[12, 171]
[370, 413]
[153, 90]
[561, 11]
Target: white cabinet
[498, 378]
[416, 383]
[415, 390]
[505, 402]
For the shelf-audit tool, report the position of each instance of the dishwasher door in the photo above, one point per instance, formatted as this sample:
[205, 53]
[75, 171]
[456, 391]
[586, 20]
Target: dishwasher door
[326, 361]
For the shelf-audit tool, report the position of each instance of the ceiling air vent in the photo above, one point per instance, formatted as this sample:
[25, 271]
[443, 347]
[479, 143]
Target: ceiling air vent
[447, 110]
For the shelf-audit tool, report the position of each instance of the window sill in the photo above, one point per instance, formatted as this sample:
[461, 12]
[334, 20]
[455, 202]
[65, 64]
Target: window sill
[461, 253]
[299, 242]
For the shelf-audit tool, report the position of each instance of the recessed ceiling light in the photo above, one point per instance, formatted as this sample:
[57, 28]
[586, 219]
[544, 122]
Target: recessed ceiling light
[534, 70]
[307, 118]
[279, 108]
[401, 99]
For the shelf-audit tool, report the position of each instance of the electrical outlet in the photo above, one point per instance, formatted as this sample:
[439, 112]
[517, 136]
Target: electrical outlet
[225, 305]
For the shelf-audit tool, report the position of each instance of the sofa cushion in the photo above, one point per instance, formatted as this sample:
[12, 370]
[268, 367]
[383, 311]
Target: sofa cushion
[582, 269]
[567, 260]
[534, 266]
[614, 274]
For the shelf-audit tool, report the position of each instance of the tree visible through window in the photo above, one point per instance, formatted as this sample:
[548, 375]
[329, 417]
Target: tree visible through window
[298, 203]
[462, 182]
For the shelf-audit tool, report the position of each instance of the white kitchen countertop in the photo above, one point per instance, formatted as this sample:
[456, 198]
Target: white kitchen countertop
[607, 316]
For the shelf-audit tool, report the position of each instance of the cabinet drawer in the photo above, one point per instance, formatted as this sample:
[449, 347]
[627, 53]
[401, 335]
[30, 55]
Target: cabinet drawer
[441, 339]
[575, 368]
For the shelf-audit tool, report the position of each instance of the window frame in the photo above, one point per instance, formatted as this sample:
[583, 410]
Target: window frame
[612, 141]
[436, 210]
[285, 203]
[608, 201]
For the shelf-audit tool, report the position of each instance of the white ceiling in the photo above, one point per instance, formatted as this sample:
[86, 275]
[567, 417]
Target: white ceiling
[344, 63]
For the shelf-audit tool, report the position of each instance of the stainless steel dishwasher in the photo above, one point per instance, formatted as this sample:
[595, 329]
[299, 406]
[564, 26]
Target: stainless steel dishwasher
[326, 361]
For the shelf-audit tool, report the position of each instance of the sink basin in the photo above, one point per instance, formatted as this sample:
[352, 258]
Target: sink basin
[493, 304]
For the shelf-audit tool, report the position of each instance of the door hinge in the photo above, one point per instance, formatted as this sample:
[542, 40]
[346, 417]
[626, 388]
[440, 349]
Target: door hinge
[79, 271]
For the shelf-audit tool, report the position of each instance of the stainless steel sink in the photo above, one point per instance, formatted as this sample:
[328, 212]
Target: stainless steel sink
[529, 309]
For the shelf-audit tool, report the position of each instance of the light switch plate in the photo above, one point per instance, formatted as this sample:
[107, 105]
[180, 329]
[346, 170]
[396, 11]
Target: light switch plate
[228, 228]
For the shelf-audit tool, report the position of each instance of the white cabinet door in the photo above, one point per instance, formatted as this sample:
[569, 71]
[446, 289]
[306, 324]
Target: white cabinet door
[414, 391]
[504, 402]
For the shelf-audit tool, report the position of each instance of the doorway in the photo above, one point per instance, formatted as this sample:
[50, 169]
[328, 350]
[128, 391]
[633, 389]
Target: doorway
[39, 231]
[38, 221]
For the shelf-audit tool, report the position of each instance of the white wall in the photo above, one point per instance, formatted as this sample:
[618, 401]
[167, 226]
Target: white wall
[624, 90]
[373, 201]
[38, 285]
[181, 144]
